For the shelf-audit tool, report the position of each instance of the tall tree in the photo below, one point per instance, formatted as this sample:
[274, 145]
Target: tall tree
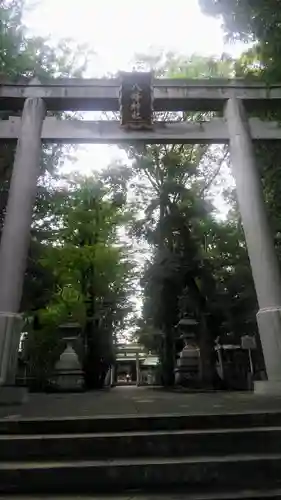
[92, 270]
[173, 225]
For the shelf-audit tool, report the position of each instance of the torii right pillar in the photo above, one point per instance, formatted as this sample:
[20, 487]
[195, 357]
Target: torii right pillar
[262, 255]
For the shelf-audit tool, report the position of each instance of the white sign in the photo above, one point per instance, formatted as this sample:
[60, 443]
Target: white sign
[248, 342]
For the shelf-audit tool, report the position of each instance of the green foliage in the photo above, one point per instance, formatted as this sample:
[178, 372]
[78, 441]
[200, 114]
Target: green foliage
[172, 65]
[86, 243]
[255, 21]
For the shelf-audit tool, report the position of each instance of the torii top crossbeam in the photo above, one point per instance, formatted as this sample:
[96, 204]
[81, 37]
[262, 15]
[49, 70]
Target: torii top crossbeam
[168, 94]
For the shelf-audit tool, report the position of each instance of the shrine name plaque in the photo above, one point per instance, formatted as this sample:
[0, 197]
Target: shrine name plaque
[136, 100]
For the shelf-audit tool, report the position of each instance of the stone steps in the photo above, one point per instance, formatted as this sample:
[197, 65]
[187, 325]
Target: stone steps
[241, 495]
[91, 446]
[205, 455]
[131, 423]
[170, 474]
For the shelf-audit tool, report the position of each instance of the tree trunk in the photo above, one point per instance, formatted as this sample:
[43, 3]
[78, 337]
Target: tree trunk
[92, 364]
[206, 344]
[168, 358]
[207, 364]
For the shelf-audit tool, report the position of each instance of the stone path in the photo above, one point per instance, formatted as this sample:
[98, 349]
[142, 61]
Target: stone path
[139, 401]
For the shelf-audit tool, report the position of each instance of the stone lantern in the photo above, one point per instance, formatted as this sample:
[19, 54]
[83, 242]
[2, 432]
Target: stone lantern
[188, 364]
[68, 369]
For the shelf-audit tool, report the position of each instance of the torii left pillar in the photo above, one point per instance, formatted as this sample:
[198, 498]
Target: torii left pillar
[16, 236]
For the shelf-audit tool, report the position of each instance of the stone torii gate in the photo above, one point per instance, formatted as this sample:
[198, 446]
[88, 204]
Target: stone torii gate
[232, 98]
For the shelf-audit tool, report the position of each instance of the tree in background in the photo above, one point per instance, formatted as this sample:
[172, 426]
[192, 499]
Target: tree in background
[256, 22]
[92, 271]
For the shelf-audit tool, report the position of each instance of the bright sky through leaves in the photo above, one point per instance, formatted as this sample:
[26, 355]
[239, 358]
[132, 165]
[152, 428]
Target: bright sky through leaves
[117, 29]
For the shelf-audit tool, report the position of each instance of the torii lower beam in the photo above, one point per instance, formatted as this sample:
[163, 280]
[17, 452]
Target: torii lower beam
[105, 132]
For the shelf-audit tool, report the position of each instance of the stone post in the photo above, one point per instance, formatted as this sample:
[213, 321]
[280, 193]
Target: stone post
[16, 234]
[263, 259]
